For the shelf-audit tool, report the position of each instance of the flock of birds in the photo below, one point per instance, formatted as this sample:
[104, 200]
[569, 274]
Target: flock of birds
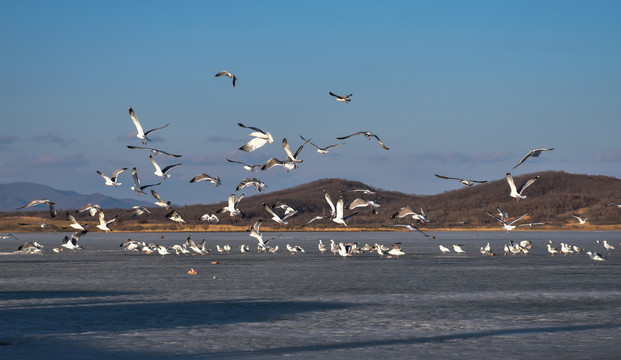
[280, 212]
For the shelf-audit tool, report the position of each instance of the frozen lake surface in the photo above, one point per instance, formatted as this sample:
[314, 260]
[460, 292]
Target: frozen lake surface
[104, 303]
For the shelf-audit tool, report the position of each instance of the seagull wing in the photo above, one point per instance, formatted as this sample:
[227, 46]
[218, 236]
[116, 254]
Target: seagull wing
[116, 173]
[252, 128]
[446, 177]
[517, 219]
[350, 135]
[152, 130]
[380, 142]
[527, 183]
[134, 118]
[253, 144]
[156, 196]
[511, 183]
[165, 170]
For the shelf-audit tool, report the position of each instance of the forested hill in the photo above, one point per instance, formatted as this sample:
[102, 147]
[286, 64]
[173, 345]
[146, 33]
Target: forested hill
[552, 199]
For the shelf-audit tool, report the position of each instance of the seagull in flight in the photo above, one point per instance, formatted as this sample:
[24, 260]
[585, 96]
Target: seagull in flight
[517, 193]
[507, 225]
[160, 201]
[580, 220]
[358, 202]
[153, 150]
[203, 176]
[532, 153]
[323, 150]
[411, 227]
[340, 98]
[245, 166]
[74, 223]
[111, 181]
[228, 74]
[258, 184]
[39, 202]
[141, 134]
[137, 188]
[367, 134]
[466, 182]
[275, 216]
[231, 207]
[103, 223]
[260, 138]
[338, 217]
[162, 172]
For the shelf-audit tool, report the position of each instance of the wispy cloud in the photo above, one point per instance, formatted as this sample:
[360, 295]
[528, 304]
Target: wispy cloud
[220, 138]
[609, 156]
[459, 157]
[54, 139]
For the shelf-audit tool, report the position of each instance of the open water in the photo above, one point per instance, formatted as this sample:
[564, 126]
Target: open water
[104, 303]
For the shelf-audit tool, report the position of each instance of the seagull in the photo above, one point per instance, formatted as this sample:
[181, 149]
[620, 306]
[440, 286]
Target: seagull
[160, 202]
[154, 151]
[111, 181]
[162, 172]
[501, 213]
[396, 250]
[71, 244]
[322, 247]
[338, 217]
[406, 210]
[103, 224]
[580, 220]
[532, 224]
[260, 138]
[141, 134]
[533, 153]
[444, 249]
[289, 211]
[42, 225]
[174, 216]
[344, 249]
[162, 250]
[291, 156]
[74, 223]
[466, 182]
[367, 134]
[295, 249]
[323, 150]
[9, 235]
[552, 250]
[410, 227]
[613, 203]
[595, 256]
[358, 202]
[203, 176]
[607, 246]
[41, 201]
[339, 98]
[364, 191]
[508, 226]
[330, 203]
[137, 188]
[138, 210]
[275, 216]
[91, 208]
[318, 217]
[458, 249]
[246, 166]
[231, 207]
[226, 73]
[517, 193]
[258, 184]
[211, 217]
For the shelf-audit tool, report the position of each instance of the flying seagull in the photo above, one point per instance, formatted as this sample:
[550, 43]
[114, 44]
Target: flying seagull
[358, 202]
[323, 150]
[339, 98]
[580, 220]
[466, 182]
[74, 223]
[153, 150]
[162, 172]
[203, 176]
[410, 227]
[245, 166]
[160, 201]
[137, 188]
[39, 202]
[174, 216]
[275, 216]
[339, 218]
[226, 73]
[506, 225]
[260, 138]
[231, 206]
[517, 193]
[111, 181]
[103, 223]
[258, 184]
[367, 134]
[533, 153]
[141, 134]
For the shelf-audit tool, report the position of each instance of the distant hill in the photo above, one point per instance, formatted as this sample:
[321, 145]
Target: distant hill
[552, 199]
[14, 195]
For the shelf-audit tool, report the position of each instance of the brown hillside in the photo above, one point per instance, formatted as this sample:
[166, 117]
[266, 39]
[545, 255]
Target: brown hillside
[552, 200]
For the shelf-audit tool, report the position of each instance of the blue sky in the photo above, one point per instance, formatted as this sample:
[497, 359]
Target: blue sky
[459, 88]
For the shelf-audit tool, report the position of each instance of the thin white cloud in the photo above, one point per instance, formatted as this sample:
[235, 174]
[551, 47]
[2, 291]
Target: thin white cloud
[54, 139]
[459, 157]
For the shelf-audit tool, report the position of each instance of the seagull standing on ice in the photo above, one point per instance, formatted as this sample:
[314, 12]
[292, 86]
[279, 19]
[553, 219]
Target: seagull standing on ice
[141, 134]
[228, 74]
[260, 138]
[532, 153]
[368, 135]
[162, 172]
[517, 193]
[111, 181]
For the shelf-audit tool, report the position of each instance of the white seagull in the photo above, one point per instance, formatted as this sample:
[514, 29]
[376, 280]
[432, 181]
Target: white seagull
[508, 226]
[258, 184]
[162, 172]
[323, 150]
[42, 201]
[396, 250]
[210, 217]
[358, 202]
[465, 182]
[458, 249]
[340, 98]
[444, 249]
[231, 206]
[137, 188]
[141, 134]
[260, 138]
[410, 227]
[338, 217]
[74, 223]
[228, 74]
[596, 256]
[580, 220]
[91, 208]
[160, 201]
[111, 181]
[408, 211]
[368, 135]
[103, 224]
[517, 193]
[205, 177]
[154, 151]
[275, 216]
[532, 153]
[138, 210]
[246, 166]
[174, 216]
